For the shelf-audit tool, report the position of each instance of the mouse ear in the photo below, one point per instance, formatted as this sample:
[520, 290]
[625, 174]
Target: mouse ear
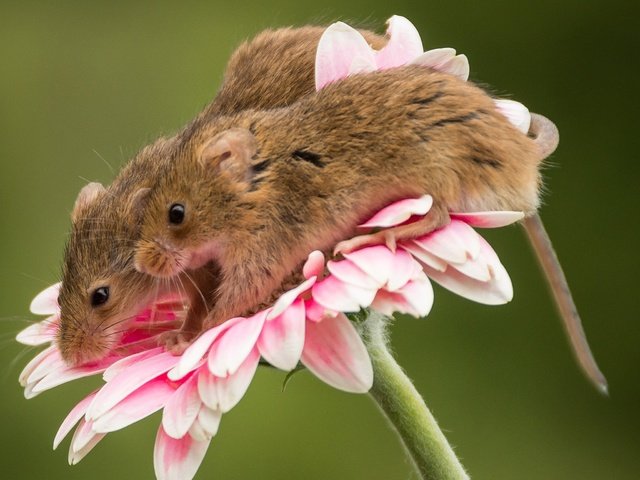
[138, 203]
[87, 195]
[230, 153]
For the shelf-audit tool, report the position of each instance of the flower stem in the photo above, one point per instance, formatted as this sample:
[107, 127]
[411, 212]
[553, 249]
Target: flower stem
[405, 409]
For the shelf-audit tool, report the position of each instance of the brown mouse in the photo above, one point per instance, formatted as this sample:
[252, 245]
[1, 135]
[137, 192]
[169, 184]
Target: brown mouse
[101, 290]
[257, 191]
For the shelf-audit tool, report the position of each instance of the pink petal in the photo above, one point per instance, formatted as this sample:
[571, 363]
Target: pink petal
[415, 299]
[423, 256]
[458, 66]
[46, 302]
[71, 419]
[499, 274]
[347, 272]
[337, 49]
[42, 357]
[361, 64]
[177, 459]
[314, 266]
[282, 337]
[489, 219]
[376, 261]
[497, 291]
[434, 58]
[88, 441]
[51, 363]
[316, 312]
[404, 269]
[481, 292]
[334, 352]
[419, 295]
[192, 356]
[476, 268]
[126, 362]
[60, 376]
[181, 410]
[39, 333]
[400, 212]
[128, 381]
[228, 353]
[287, 298]
[335, 295]
[198, 433]
[82, 436]
[516, 113]
[454, 243]
[403, 46]
[209, 420]
[146, 400]
[223, 393]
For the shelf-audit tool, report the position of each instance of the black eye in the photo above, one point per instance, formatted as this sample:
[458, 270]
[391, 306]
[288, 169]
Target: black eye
[176, 214]
[99, 296]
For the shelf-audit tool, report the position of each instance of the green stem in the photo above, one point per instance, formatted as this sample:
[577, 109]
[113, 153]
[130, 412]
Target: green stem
[405, 409]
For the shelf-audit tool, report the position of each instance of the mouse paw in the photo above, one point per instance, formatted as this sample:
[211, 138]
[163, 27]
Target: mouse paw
[436, 218]
[384, 237]
[175, 341]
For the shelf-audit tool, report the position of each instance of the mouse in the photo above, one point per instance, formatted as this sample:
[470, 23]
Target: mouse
[258, 190]
[101, 290]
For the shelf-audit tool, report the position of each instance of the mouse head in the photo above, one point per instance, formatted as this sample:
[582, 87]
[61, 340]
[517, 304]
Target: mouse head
[101, 290]
[198, 204]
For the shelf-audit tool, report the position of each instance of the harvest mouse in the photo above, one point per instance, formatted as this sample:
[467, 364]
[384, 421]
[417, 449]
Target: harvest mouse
[257, 191]
[101, 290]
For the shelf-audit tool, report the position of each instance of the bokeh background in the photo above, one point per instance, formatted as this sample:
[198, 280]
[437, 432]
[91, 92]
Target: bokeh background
[92, 80]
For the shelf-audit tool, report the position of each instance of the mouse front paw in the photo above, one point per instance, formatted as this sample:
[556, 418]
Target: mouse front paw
[176, 341]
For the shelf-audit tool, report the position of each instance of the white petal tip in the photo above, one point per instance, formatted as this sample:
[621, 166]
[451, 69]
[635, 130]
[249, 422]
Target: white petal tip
[517, 114]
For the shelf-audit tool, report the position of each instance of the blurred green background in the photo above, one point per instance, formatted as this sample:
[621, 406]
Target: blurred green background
[89, 80]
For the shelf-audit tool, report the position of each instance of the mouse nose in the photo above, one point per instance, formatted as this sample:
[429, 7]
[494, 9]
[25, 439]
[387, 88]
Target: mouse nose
[80, 348]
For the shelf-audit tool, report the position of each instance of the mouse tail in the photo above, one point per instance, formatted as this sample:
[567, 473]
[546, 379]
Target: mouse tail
[560, 289]
[545, 134]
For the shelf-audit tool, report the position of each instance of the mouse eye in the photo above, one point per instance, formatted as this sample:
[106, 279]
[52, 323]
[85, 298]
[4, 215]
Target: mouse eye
[99, 296]
[176, 214]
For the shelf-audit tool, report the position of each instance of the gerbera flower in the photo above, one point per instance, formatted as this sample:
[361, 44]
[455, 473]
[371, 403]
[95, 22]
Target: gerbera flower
[307, 324]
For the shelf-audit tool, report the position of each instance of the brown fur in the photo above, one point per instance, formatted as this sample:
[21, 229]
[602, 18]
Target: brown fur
[99, 251]
[324, 165]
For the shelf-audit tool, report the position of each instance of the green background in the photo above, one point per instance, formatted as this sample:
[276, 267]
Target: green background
[84, 81]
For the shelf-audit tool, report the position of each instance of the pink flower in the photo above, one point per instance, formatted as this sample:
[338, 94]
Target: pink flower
[306, 324]
[343, 51]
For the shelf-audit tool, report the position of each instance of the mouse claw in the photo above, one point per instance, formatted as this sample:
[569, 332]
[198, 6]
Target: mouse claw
[175, 341]
[390, 241]
[348, 246]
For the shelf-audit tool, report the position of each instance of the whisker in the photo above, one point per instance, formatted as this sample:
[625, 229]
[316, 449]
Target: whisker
[116, 323]
[204, 300]
[104, 160]
[16, 359]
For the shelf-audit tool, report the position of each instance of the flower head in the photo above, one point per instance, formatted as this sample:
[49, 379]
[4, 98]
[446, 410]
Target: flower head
[307, 324]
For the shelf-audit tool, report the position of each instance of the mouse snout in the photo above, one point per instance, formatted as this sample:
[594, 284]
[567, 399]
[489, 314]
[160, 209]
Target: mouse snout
[155, 257]
[78, 347]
